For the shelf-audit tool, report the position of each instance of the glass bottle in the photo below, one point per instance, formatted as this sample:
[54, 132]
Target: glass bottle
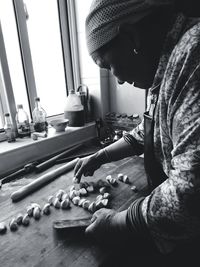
[136, 119]
[39, 117]
[22, 120]
[74, 110]
[9, 129]
[123, 120]
[83, 93]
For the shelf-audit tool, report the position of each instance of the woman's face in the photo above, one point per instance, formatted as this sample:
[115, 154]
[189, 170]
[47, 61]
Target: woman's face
[125, 63]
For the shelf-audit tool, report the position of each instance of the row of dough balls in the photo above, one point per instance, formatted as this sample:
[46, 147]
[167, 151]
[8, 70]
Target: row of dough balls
[63, 200]
[33, 210]
[77, 196]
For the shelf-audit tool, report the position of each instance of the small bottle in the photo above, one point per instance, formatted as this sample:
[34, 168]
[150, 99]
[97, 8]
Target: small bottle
[74, 110]
[83, 93]
[22, 120]
[39, 117]
[124, 119]
[136, 119]
[9, 129]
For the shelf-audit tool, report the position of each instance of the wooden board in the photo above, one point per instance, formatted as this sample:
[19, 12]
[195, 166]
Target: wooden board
[39, 244]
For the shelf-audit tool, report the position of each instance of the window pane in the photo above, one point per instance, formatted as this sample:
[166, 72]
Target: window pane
[1, 123]
[1, 114]
[11, 41]
[3, 102]
[1, 107]
[1, 119]
[46, 52]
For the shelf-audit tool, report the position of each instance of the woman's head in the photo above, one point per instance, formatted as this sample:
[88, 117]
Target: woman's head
[119, 35]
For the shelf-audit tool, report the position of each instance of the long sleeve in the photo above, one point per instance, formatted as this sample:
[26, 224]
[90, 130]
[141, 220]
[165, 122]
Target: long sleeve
[138, 133]
[135, 220]
[172, 210]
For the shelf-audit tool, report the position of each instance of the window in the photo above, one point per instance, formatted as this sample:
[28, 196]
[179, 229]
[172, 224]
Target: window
[1, 104]
[12, 54]
[1, 123]
[46, 50]
[37, 59]
[1, 115]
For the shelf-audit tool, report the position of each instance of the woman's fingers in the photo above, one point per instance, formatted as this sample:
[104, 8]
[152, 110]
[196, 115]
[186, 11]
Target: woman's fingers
[79, 170]
[98, 213]
[93, 219]
[99, 220]
[77, 167]
[85, 166]
[90, 229]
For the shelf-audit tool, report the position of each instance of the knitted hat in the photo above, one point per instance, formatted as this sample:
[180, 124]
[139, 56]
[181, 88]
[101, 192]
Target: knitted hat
[106, 16]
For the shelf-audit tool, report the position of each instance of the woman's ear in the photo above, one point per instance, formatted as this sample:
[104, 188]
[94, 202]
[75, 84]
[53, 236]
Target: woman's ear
[130, 32]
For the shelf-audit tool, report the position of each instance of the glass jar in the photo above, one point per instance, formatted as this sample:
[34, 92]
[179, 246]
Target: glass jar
[22, 120]
[39, 117]
[9, 129]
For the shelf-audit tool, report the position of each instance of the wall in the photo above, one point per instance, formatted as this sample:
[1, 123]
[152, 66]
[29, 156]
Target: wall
[106, 94]
[96, 79]
[126, 98]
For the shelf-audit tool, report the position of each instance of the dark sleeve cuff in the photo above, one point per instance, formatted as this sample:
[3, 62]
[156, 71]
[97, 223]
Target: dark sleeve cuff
[138, 148]
[135, 220]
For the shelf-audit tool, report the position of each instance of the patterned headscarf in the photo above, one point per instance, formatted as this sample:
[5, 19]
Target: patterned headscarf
[106, 16]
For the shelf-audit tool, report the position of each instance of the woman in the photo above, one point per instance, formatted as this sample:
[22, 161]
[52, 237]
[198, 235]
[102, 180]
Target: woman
[151, 45]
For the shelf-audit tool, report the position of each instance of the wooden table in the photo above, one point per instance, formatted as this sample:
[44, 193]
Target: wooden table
[39, 244]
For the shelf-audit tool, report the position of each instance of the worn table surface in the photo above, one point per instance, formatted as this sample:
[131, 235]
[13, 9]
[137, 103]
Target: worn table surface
[39, 244]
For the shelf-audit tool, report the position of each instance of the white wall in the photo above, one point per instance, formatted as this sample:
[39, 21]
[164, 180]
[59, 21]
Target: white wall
[91, 75]
[106, 94]
[126, 98]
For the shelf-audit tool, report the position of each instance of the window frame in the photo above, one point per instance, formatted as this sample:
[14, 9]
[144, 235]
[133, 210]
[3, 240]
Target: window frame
[7, 92]
[68, 32]
[20, 16]
[65, 42]
[71, 8]
[1, 93]
[1, 114]
[67, 19]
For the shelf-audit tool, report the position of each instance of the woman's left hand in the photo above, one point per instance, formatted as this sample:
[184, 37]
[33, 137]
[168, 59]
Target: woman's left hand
[108, 225]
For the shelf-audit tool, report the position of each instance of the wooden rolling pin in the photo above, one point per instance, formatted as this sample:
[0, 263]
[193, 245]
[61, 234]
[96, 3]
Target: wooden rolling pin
[42, 180]
[50, 162]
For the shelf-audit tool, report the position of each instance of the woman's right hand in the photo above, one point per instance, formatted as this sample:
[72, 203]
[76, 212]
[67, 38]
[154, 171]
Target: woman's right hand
[88, 165]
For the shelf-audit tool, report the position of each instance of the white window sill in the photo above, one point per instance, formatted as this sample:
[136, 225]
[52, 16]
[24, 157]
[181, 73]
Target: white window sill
[17, 154]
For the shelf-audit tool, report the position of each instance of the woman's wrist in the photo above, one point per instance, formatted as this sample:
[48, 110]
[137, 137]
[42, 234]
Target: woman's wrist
[102, 156]
[137, 148]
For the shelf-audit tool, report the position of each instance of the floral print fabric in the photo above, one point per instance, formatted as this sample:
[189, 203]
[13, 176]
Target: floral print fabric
[172, 210]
